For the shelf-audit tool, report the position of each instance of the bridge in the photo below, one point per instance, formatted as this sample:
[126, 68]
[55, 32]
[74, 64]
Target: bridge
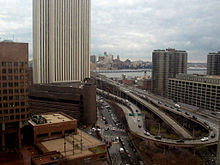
[122, 71]
[189, 142]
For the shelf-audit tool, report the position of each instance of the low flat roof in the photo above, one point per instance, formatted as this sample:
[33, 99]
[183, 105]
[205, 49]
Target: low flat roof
[52, 118]
[87, 142]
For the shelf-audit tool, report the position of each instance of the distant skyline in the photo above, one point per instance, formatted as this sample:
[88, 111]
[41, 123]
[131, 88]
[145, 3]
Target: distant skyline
[133, 28]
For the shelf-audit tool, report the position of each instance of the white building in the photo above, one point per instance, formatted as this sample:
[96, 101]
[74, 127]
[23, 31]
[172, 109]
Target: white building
[61, 40]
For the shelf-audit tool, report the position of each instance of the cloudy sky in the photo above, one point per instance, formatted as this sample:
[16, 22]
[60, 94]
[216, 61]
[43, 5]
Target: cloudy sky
[133, 28]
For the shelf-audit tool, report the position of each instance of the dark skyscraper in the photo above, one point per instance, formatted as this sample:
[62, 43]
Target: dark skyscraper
[213, 64]
[166, 64]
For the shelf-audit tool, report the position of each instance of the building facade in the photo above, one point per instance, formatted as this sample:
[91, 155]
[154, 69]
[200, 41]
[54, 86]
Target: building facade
[75, 99]
[93, 59]
[213, 64]
[13, 92]
[200, 91]
[166, 64]
[61, 40]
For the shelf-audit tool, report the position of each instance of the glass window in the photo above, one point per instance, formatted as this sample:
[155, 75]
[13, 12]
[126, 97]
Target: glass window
[4, 84]
[3, 70]
[21, 77]
[21, 84]
[17, 111]
[5, 111]
[22, 97]
[16, 77]
[17, 116]
[5, 98]
[10, 64]
[10, 97]
[10, 84]
[22, 103]
[21, 70]
[5, 105]
[4, 78]
[16, 91]
[22, 116]
[11, 105]
[16, 84]
[6, 118]
[3, 63]
[16, 97]
[21, 90]
[22, 110]
[9, 77]
[15, 70]
[5, 91]
[21, 64]
[11, 110]
[10, 91]
[11, 117]
[16, 103]
[9, 70]
[15, 63]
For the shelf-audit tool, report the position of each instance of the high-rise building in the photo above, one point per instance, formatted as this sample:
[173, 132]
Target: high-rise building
[61, 40]
[13, 92]
[213, 64]
[93, 59]
[166, 64]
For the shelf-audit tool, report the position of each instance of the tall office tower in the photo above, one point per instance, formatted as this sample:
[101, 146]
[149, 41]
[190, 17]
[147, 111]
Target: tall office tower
[13, 92]
[61, 40]
[213, 64]
[166, 64]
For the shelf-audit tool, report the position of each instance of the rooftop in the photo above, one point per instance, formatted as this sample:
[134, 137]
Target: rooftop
[90, 145]
[51, 118]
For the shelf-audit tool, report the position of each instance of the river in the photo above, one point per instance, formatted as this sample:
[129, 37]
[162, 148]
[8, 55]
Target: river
[131, 75]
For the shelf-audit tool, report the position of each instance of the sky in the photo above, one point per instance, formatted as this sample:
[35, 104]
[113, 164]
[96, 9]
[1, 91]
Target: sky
[133, 28]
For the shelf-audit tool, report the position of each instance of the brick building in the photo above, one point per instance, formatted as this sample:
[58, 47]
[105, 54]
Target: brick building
[75, 99]
[13, 92]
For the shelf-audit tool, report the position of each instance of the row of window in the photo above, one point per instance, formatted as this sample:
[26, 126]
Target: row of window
[15, 84]
[13, 77]
[16, 104]
[15, 64]
[10, 71]
[13, 111]
[11, 91]
[17, 117]
[10, 98]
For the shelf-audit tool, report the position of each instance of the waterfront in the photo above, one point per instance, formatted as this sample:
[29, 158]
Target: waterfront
[130, 75]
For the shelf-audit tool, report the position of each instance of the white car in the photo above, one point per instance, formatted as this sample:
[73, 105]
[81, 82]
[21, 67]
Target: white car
[204, 139]
[146, 133]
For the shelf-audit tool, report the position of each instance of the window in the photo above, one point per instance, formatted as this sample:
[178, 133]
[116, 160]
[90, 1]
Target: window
[22, 116]
[4, 84]
[16, 84]
[9, 77]
[12, 117]
[9, 70]
[3, 63]
[10, 84]
[22, 97]
[21, 64]
[17, 117]
[5, 91]
[56, 133]
[16, 77]
[21, 70]
[5, 105]
[16, 103]
[21, 90]
[4, 78]
[21, 77]
[42, 135]
[10, 91]
[17, 110]
[16, 97]
[11, 105]
[5, 98]
[6, 118]
[21, 84]
[11, 110]
[22, 104]
[3, 70]
[15, 63]
[10, 64]
[16, 91]
[10, 98]
[5, 111]
[15, 70]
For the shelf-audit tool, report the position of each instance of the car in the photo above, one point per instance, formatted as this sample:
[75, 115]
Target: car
[138, 120]
[178, 110]
[180, 141]
[194, 117]
[177, 106]
[136, 110]
[204, 139]
[213, 135]
[157, 137]
[172, 107]
[146, 133]
[186, 113]
[159, 102]
[205, 123]
[139, 126]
